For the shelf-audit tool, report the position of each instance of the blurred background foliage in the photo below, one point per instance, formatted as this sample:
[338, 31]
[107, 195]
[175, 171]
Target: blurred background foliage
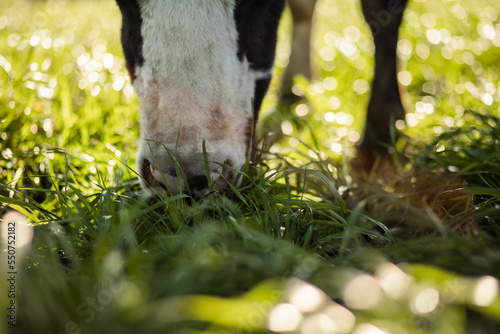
[302, 246]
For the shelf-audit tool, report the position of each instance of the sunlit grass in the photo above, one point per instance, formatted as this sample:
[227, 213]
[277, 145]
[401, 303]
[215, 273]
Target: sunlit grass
[304, 245]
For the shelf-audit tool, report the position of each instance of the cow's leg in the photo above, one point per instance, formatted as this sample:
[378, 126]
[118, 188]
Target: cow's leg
[385, 107]
[302, 13]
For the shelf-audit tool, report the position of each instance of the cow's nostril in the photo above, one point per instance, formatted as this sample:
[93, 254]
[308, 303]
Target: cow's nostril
[148, 172]
[197, 182]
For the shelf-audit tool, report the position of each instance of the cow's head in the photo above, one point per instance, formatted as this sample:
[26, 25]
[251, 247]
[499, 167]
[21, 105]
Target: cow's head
[200, 69]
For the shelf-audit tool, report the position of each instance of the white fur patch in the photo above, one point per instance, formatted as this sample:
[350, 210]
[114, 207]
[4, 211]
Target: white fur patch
[192, 87]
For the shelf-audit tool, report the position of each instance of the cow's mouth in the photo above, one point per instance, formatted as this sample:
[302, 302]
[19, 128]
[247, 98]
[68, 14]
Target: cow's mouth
[197, 184]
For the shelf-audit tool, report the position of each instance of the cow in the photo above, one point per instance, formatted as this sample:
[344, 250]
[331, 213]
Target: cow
[201, 68]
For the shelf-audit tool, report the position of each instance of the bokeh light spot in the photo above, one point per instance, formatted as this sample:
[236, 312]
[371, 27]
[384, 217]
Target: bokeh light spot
[286, 127]
[425, 301]
[343, 319]
[334, 103]
[330, 117]
[363, 293]
[336, 147]
[16, 224]
[393, 280]
[485, 291]
[330, 83]
[284, 318]
[405, 78]
[302, 110]
[422, 51]
[369, 329]
[361, 86]
[306, 297]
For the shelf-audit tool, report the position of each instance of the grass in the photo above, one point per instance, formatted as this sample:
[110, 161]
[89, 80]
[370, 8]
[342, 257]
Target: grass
[411, 247]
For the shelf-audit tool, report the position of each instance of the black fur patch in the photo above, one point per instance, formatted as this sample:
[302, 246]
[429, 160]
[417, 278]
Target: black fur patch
[257, 24]
[131, 34]
[261, 87]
